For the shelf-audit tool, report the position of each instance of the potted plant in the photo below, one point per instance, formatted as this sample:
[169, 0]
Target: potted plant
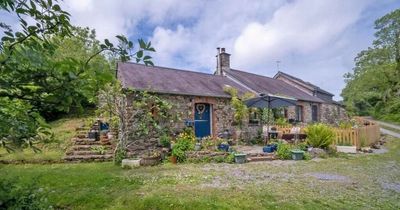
[269, 148]
[151, 158]
[177, 154]
[240, 158]
[173, 159]
[197, 146]
[297, 154]
[223, 146]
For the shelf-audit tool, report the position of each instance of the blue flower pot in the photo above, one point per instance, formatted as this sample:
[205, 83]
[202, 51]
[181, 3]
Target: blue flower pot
[274, 147]
[223, 147]
[268, 149]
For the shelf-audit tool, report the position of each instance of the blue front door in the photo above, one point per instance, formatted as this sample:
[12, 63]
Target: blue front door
[202, 120]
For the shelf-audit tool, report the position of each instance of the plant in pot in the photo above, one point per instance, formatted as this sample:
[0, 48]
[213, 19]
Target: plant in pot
[223, 146]
[240, 158]
[297, 154]
[152, 158]
[177, 154]
[271, 147]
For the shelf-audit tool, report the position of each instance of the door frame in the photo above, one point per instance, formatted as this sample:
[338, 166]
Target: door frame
[212, 101]
[210, 121]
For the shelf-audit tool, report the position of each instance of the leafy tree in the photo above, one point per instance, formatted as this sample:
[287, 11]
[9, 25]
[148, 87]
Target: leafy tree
[373, 88]
[44, 69]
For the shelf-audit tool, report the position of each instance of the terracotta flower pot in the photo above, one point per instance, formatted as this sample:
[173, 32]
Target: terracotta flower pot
[173, 159]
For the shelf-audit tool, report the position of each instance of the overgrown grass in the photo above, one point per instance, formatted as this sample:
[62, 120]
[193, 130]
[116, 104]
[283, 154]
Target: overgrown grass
[369, 182]
[64, 130]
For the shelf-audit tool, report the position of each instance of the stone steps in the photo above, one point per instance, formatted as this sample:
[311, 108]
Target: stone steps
[82, 129]
[89, 147]
[83, 148]
[87, 141]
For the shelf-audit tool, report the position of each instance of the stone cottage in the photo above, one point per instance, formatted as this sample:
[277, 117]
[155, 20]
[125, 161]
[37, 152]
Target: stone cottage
[200, 97]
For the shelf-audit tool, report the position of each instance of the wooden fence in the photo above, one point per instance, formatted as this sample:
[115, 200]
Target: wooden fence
[362, 136]
[359, 137]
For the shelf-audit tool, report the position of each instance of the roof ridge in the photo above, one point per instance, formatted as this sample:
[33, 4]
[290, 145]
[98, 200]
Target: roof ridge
[171, 69]
[306, 82]
[252, 73]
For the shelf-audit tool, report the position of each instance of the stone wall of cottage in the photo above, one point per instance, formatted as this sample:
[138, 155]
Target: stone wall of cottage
[332, 113]
[223, 119]
[327, 113]
[307, 114]
[183, 106]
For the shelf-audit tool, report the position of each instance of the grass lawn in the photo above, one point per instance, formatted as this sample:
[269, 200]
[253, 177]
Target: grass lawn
[354, 182]
[64, 130]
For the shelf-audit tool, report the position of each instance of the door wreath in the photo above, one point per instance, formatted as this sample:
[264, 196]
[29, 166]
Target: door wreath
[200, 108]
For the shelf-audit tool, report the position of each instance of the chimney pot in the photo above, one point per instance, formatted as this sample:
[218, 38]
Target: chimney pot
[223, 61]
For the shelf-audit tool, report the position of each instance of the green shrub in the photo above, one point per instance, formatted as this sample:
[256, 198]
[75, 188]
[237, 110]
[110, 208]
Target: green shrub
[302, 146]
[281, 122]
[15, 195]
[184, 142]
[319, 135]
[119, 155]
[283, 151]
[165, 140]
[230, 158]
[179, 152]
[307, 156]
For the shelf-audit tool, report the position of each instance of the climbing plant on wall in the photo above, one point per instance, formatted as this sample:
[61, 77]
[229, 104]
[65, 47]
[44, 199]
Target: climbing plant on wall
[138, 114]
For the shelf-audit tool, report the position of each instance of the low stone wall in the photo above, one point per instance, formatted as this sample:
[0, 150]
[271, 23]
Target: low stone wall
[141, 147]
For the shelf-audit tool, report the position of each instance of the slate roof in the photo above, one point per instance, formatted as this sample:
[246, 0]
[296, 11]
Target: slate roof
[263, 84]
[304, 82]
[173, 81]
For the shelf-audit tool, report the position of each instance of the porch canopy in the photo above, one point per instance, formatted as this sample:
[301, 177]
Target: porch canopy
[270, 101]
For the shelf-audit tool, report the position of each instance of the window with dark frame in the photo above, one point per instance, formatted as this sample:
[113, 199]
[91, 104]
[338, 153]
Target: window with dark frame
[254, 117]
[299, 113]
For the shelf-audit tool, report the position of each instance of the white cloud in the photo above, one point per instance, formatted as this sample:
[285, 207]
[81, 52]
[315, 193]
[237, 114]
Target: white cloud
[301, 27]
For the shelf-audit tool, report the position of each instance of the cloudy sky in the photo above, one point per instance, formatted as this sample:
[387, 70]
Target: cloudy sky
[315, 40]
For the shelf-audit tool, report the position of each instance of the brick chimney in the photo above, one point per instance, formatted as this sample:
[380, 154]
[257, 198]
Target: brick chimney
[223, 61]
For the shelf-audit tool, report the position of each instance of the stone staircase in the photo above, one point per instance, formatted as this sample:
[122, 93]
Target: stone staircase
[254, 157]
[85, 149]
